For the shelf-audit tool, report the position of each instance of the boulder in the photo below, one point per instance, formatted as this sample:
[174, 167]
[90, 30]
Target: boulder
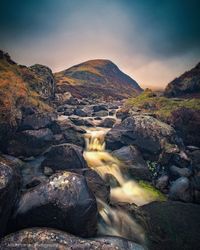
[162, 183]
[63, 202]
[63, 98]
[101, 113]
[122, 114]
[176, 172]
[9, 190]
[151, 136]
[70, 132]
[100, 107]
[64, 157]
[41, 238]
[37, 121]
[171, 225]
[80, 112]
[180, 190]
[30, 142]
[107, 123]
[133, 162]
[82, 122]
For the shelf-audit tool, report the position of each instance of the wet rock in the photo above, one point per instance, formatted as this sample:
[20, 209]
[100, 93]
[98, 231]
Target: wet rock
[100, 107]
[37, 121]
[107, 123]
[162, 183]
[96, 184]
[101, 113]
[63, 202]
[41, 238]
[80, 112]
[82, 122]
[133, 162]
[151, 136]
[112, 112]
[176, 172]
[180, 190]
[9, 189]
[64, 157]
[30, 142]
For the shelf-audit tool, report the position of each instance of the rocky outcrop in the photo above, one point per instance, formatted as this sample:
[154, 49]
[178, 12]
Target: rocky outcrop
[102, 75]
[46, 88]
[52, 238]
[152, 137]
[187, 84]
[63, 202]
[9, 190]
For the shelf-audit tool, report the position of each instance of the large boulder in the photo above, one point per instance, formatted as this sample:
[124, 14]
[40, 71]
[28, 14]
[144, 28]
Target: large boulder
[47, 87]
[69, 132]
[133, 162]
[37, 121]
[151, 136]
[41, 238]
[9, 189]
[30, 142]
[64, 157]
[172, 225]
[63, 202]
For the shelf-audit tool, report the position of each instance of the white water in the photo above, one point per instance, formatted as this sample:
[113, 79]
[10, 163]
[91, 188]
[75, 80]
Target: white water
[115, 222]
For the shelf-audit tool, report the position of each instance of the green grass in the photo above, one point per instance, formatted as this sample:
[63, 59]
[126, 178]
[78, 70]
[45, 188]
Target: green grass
[161, 106]
[155, 193]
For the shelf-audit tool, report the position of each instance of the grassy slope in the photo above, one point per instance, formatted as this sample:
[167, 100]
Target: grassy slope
[161, 106]
[16, 92]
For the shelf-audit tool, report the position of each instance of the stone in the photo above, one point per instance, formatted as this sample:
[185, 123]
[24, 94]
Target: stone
[133, 162]
[180, 190]
[176, 172]
[41, 238]
[107, 123]
[100, 107]
[9, 189]
[63, 202]
[30, 142]
[101, 113]
[64, 157]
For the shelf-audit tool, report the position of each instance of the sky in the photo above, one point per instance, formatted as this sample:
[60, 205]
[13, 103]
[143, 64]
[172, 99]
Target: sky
[153, 41]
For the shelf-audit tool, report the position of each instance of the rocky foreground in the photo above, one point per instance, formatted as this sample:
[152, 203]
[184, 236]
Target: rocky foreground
[48, 194]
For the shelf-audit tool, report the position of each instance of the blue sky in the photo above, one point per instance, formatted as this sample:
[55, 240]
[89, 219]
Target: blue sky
[152, 41]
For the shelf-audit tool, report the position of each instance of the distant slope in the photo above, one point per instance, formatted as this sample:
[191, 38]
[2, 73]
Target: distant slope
[187, 84]
[96, 78]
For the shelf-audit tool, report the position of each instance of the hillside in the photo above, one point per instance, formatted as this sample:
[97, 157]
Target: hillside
[97, 78]
[186, 84]
[22, 89]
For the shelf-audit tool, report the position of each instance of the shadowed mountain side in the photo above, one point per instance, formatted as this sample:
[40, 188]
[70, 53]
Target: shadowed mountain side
[186, 84]
[97, 78]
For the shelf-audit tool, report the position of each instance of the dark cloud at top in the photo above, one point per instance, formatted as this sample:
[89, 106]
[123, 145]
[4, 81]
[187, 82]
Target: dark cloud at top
[139, 35]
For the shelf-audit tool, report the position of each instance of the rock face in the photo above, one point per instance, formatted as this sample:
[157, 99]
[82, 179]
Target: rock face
[107, 122]
[101, 75]
[40, 238]
[47, 87]
[9, 190]
[64, 157]
[30, 142]
[187, 83]
[150, 135]
[63, 202]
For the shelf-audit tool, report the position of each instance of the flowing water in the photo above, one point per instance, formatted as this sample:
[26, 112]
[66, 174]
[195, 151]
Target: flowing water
[123, 189]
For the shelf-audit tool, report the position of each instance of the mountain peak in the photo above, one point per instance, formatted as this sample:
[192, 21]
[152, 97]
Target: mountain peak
[99, 77]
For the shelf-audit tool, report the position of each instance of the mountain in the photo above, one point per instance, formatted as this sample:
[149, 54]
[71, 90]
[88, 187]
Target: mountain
[186, 84]
[96, 78]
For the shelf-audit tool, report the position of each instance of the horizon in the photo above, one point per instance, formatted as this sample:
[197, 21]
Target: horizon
[150, 41]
